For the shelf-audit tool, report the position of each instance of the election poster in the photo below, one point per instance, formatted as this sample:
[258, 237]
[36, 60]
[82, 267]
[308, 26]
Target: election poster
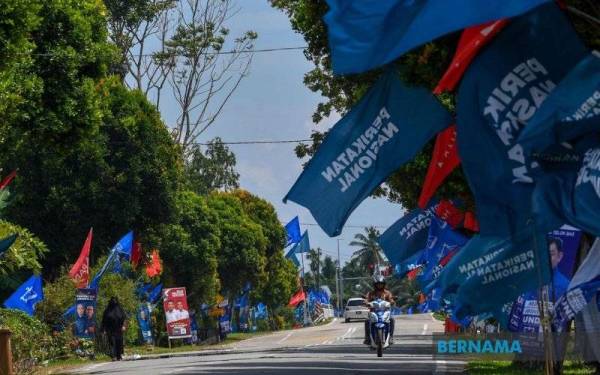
[145, 324]
[177, 313]
[562, 247]
[85, 313]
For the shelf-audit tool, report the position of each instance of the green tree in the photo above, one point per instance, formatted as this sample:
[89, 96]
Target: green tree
[242, 254]
[369, 251]
[189, 248]
[213, 169]
[423, 66]
[21, 260]
[328, 272]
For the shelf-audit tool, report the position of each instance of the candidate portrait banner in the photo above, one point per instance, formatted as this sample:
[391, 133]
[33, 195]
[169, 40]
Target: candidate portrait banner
[145, 323]
[407, 236]
[562, 245]
[85, 326]
[177, 314]
[500, 92]
[386, 129]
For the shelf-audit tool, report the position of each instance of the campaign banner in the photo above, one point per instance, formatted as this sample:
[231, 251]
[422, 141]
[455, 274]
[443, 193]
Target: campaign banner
[145, 323]
[85, 313]
[177, 314]
[407, 236]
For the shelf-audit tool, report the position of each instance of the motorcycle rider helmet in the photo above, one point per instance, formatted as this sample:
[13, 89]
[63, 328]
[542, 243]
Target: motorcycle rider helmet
[378, 282]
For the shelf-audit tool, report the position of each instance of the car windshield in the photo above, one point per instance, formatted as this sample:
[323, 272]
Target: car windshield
[356, 302]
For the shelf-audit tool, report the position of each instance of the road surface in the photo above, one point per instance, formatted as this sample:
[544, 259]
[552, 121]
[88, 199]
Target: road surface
[335, 348]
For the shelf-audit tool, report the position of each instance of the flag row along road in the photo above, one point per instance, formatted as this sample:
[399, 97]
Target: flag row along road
[334, 348]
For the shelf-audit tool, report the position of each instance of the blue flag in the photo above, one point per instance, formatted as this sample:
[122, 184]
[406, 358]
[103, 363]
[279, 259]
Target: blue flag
[441, 242]
[109, 261]
[291, 255]
[490, 271]
[389, 125]
[572, 110]
[582, 288]
[292, 230]
[6, 243]
[155, 294]
[117, 266]
[500, 92]
[70, 312]
[366, 34]
[407, 236]
[409, 264]
[26, 296]
[124, 245]
[571, 196]
[261, 311]
[303, 246]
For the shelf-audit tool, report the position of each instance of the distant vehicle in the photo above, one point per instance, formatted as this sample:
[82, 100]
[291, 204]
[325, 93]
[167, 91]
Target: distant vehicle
[356, 308]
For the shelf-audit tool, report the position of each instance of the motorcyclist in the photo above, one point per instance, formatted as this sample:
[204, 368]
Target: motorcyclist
[379, 292]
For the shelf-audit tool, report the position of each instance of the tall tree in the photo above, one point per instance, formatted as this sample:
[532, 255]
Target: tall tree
[369, 251]
[213, 169]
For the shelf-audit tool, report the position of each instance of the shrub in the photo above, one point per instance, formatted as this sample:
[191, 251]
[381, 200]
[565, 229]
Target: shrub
[31, 340]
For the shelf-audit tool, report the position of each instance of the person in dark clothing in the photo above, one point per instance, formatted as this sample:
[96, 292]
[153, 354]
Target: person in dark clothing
[113, 324]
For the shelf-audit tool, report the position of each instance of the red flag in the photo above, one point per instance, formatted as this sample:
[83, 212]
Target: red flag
[80, 272]
[471, 222]
[412, 274]
[154, 268]
[450, 213]
[443, 161]
[471, 41]
[136, 253]
[7, 180]
[297, 298]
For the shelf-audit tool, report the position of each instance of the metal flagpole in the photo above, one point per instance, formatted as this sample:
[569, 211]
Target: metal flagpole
[305, 315]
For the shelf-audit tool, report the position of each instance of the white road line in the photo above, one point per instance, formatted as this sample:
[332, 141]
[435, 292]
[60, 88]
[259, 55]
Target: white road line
[285, 338]
[424, 329]
[440, 367]
[93, 367]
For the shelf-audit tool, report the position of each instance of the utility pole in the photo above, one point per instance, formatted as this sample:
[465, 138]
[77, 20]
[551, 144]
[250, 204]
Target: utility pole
[339, 284]
[318, 268]
[306, 314]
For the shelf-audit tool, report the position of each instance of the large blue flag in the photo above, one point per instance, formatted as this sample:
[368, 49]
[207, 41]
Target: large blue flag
[303, 246]
[124, 245]
[441, 242]
[500, 92]
[366, 34]
[155, 294]
[291, 255]
[572, 110]
[292, 231]
[414, 261]
[388, 126]
[26, 296]
[407, 236]
[109, 261]
[490, 271]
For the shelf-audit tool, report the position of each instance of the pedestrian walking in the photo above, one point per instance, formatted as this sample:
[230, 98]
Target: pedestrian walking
[113, 324]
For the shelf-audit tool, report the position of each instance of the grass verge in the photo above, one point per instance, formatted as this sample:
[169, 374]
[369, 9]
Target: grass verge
[508, 367]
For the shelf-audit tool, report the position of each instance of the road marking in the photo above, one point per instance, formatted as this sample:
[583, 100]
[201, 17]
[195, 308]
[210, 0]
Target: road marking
[424, 329]
[441, 367]
[285, 338]
[93, 367]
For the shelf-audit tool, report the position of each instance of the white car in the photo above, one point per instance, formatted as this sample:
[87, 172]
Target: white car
[356, 308]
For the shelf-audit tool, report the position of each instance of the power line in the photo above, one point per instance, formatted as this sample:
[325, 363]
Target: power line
[232, 52]
[256, 142]
[350, 226]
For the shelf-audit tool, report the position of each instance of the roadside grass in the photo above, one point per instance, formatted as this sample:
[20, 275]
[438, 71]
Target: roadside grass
[62, 365]
[508, 367]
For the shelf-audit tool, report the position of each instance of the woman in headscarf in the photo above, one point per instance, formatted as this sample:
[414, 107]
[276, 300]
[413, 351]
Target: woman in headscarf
[113, 324]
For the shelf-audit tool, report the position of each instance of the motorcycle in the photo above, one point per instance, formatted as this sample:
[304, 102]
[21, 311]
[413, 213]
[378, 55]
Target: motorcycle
[379, 319]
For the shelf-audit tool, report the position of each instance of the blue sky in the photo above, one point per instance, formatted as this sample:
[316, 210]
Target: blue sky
[273, 103]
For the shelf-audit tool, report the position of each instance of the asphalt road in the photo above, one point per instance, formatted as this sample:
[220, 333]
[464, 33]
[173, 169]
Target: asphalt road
[335, 348]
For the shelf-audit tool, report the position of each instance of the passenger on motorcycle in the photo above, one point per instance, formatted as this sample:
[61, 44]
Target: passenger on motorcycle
[379, 292]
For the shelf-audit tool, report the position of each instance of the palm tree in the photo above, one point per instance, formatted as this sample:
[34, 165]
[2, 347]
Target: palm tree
[405, 291]
[368, 252]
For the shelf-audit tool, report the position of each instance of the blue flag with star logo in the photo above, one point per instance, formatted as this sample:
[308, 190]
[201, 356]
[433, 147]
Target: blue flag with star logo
[500, 92]
[292, 231]
[365, 34]
[386, 129]
[26, 296]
